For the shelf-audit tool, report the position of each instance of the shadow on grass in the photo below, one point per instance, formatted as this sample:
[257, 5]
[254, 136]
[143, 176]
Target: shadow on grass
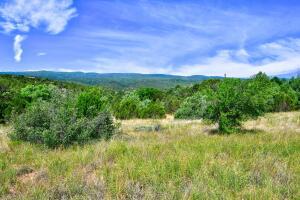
[242, 131]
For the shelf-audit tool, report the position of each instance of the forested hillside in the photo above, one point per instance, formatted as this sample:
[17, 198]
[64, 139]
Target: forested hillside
[117, 80]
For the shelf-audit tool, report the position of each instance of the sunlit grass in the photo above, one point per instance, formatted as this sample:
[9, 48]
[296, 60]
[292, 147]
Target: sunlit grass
[177, 160]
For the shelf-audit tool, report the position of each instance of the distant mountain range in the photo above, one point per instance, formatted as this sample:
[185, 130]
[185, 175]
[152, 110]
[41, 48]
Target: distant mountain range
[295, 73]
[117, 80]
[126, 80]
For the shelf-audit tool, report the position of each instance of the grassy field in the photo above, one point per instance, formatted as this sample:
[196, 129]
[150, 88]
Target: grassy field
[161, 159]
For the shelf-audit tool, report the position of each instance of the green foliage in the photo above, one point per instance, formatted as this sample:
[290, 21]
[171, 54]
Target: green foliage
[56, 123]
[236, 100]
[131, 106]
[259, 94]
[285, 99]
[211, 84]
[228, 102]
[278, 81]
[172, 103]
[128, 107]
[117, 81]
[295, 85]
[4, 101]
[34, 92]
[150, 109]
[91, 102]
[27, 95]
[150, 93]
[225, 105]
[174, 97]
[17, 92]
[193, 107]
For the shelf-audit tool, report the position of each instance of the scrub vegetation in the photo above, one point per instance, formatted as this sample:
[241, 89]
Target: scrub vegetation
[217, 139]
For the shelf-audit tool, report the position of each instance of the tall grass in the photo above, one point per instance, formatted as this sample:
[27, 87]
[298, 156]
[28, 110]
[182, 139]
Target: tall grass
[179, 160]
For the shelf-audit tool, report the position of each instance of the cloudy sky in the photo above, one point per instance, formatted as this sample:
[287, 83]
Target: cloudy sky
[186, 37]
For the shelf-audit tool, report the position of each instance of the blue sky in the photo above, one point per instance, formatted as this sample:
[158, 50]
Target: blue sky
[185, 37]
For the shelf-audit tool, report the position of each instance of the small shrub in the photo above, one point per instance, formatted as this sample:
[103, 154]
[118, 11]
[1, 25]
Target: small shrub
[24, 170]
[153, 128]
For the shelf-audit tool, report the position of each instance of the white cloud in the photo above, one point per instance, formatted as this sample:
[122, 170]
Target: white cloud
[18, 47]
[22, 15]
[285, 54]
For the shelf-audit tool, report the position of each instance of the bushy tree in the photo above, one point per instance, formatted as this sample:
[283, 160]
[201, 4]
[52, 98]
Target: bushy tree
[91, 102]
[193, 107]
[25, 96]
[237, 100]
[174, 97]
[56, 123]
[131, 106]
[34, 92]
[150, 109]
[278, 81]
[295, 85]
[211, 84]
[152, 94]
[172, 103]
[285, 99]
[128, 107]
[5, 98]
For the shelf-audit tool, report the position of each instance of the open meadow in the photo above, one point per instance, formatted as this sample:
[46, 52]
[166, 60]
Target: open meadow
[161, 159]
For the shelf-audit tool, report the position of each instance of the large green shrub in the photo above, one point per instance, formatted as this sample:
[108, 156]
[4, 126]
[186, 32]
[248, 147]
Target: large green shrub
[131, 106]
[285, 99]
[56, 123]
[91, 102]
[236, 100]
[128, 107]
[193, 107]
[149, 109]
[34, 92]
[23, 97]
[295, 85]
[152, 94]
[174, 97]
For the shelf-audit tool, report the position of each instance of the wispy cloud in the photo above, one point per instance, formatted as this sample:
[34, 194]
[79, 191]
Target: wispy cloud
[18, 47]
[22, 15]
[273, 58]
[183, 38]
[178, 37]
[149, 54]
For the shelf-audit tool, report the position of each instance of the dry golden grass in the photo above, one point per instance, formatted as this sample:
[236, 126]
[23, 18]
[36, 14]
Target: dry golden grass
[3, 139]
[161, 159]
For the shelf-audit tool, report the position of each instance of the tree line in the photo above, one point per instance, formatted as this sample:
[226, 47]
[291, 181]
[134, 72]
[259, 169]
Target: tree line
[56, 113]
